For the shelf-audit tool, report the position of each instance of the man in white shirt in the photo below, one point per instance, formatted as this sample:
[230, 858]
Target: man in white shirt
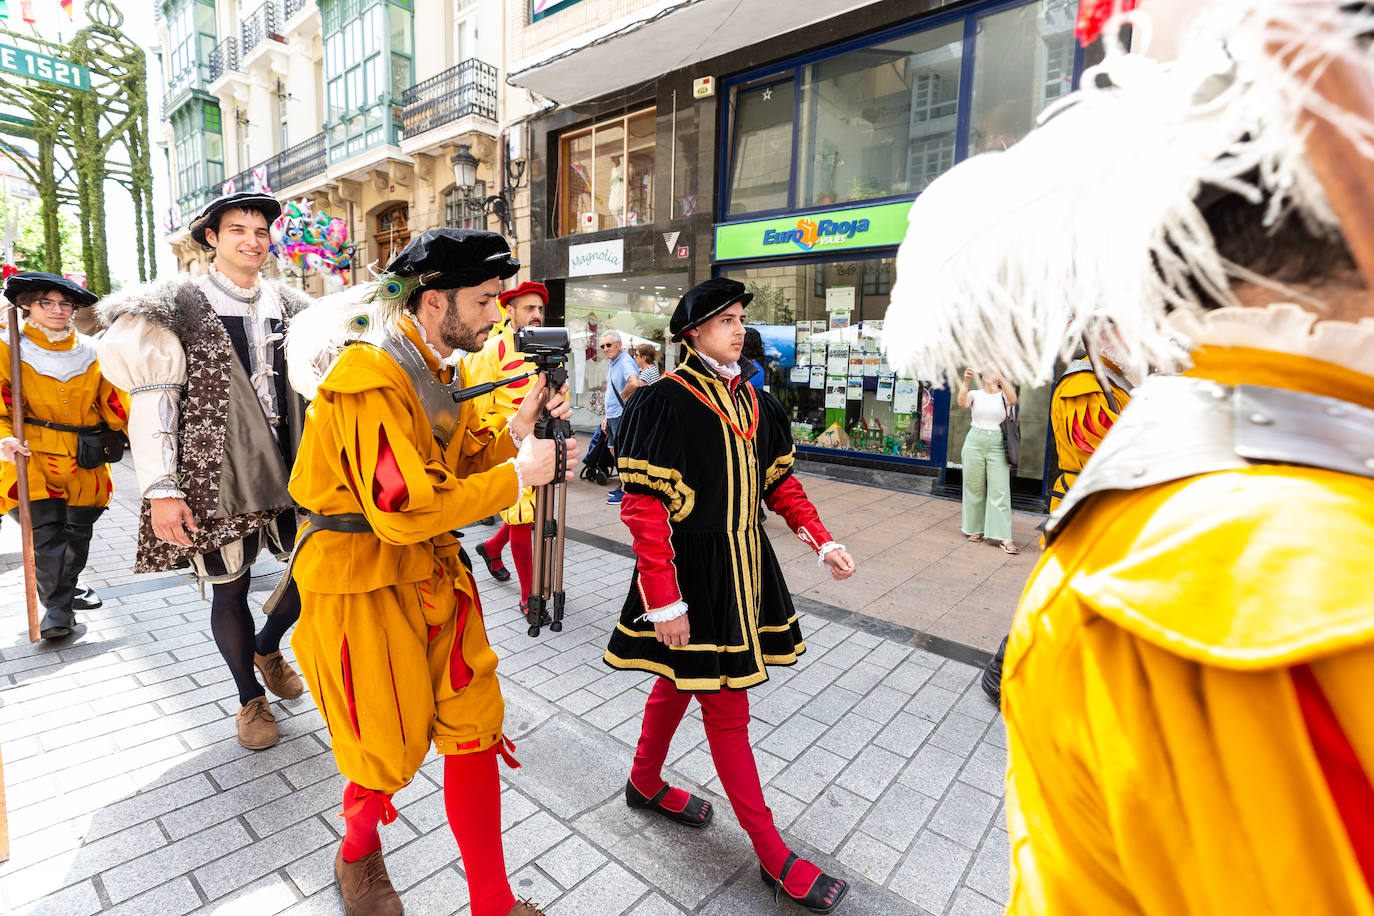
[214, 428]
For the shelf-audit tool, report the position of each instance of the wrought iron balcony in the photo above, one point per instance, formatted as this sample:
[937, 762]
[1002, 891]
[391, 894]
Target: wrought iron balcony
[295, 6]
[460, 91]
[289, 167]
[259, 26]
[224, 57]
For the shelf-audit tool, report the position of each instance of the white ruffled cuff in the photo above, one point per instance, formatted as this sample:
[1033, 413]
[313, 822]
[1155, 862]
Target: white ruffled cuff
[519, 479]
[825, 549]
[665, 614]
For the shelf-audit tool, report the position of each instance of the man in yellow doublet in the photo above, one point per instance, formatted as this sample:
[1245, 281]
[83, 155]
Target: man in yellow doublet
[1186, 685]
[1080, 415]
[391, 637]
[63, 390]
[498, 359]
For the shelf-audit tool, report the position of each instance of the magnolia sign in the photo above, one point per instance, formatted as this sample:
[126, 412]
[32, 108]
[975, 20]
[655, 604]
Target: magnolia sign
[596, 258]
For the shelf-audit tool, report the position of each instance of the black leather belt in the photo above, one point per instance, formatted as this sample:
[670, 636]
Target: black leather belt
[347, 522]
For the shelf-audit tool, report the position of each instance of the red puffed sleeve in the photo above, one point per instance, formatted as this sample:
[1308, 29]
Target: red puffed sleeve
[789, 501]
[647, 519]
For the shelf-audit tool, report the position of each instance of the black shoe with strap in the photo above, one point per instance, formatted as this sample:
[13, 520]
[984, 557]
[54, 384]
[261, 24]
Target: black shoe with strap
[823, 896]
[494, 565]
[696, 813]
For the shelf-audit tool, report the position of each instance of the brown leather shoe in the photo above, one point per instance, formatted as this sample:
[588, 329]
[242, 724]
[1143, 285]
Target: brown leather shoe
[365, 886]
[278, 675]
[525, 907]
[257, 725]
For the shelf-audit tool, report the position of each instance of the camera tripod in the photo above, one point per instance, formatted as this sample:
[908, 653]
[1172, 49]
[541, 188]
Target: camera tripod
[550, 514]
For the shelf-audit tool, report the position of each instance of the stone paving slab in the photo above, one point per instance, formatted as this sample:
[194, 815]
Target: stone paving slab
[128, 792]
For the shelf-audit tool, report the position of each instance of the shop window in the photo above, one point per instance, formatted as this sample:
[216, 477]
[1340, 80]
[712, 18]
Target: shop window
[638, 308]
[393, 232]
[881, 121]
[874, 122]
[761, 157]
[465, 212]
[606, 175]
[1023, 59]
[822, 331]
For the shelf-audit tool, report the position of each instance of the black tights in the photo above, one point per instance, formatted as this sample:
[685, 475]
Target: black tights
[232, 624]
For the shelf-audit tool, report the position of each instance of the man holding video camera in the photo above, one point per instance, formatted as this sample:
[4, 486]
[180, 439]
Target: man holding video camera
[391, 637]
[498, 359]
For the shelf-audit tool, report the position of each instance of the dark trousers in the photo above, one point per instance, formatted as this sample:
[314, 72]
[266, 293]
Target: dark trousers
[61, 544]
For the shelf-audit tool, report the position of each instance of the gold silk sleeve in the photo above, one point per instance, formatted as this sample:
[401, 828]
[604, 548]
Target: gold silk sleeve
[114, 419]
[6, 424]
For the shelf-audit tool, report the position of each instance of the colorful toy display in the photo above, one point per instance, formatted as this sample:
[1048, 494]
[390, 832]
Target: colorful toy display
[307, 240]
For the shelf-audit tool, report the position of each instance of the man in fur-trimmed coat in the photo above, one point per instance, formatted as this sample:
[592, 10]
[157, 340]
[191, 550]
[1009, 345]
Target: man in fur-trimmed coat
[214, 428]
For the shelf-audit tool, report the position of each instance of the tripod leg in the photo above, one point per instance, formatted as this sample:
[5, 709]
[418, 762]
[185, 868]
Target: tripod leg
[534, 611]
[556, 561]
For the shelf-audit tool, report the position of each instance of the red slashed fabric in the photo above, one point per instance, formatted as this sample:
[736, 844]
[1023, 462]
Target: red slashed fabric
[388, 486]
[1346, 778]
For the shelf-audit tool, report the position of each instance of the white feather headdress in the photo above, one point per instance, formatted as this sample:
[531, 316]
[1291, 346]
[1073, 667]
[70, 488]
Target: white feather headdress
[1088, 226]
[318, 334]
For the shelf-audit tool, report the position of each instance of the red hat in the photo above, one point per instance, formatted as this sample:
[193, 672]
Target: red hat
[529, 286]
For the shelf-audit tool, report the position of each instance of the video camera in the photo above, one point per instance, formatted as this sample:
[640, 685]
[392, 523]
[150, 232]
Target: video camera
[547, 348]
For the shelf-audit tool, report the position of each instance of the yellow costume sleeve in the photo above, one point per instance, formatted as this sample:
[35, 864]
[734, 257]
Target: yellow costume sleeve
[1186, 698]
[113, 404]
[6, 393]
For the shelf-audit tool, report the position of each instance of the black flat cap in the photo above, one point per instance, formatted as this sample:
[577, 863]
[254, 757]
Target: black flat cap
[33, 281]
[455, 258]
[265, 204]
[705, 301]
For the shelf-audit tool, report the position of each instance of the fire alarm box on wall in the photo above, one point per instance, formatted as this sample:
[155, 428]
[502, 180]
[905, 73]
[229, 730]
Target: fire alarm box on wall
[703, 87]
[587, 220]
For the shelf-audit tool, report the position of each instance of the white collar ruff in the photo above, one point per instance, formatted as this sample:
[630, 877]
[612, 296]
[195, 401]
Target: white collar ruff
[1284, 328]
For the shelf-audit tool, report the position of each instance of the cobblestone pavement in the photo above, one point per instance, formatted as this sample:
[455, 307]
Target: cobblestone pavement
[128, 792]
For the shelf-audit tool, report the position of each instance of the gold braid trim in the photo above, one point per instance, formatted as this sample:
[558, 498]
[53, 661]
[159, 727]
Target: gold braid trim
[681, 498]
[779, 468]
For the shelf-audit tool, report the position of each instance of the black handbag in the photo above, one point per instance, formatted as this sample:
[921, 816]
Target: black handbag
[1011, 432]
[95, 445]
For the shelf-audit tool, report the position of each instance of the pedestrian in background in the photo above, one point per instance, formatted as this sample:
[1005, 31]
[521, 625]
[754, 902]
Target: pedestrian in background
[63, 396]
[987, 476]
[646, 358]
[621, 381]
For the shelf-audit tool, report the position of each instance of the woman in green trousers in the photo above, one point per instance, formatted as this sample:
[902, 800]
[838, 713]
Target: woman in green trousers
[987, 476]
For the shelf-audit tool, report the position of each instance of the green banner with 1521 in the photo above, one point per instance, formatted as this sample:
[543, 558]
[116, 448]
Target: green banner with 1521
[42, 67]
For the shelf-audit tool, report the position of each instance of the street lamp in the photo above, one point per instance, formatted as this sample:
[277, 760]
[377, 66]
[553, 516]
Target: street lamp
[464, 165]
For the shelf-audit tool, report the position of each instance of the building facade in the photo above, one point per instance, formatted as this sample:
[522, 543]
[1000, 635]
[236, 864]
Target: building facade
[355, 108]
[780, 143]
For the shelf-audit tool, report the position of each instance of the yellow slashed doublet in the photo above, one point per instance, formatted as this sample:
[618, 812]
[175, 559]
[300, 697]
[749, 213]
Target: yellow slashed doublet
[710, 450]
[61, 383]
[1080, 416]
[391, 637]
[1159, 682]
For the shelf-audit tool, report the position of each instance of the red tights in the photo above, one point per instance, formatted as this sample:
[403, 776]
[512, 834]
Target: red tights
[472, 800]
[726, 717]
[521, 551]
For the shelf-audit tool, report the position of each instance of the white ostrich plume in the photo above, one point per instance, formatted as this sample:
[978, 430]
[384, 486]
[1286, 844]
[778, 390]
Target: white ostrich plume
[1088, 225]
[317, 335]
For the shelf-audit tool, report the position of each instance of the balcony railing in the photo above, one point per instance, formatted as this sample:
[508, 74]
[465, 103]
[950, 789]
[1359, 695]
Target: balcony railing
[224, 58]
[295, 6]
[289, 167]
[466, 89]
[259, 26]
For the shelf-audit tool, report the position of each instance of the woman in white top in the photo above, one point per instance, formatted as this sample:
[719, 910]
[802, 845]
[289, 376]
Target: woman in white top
[987, 476]
[646, 358]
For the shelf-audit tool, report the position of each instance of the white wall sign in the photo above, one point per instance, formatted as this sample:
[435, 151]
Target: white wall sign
[596, 258]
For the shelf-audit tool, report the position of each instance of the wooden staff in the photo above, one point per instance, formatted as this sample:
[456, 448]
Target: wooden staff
[21, 465]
